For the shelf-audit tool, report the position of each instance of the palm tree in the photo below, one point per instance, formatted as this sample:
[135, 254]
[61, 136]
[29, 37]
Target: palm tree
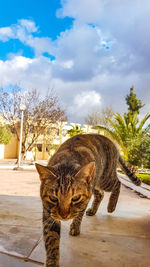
[127, 131]
[76, 129]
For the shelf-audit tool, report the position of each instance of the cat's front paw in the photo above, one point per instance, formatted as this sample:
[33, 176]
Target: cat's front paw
[111, 208]
[74, 231]
[90, 212]
[51, 265]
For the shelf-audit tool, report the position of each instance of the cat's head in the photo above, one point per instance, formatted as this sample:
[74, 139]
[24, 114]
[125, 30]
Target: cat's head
[65, 193]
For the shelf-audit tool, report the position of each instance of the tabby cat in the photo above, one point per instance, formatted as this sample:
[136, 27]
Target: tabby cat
[82, 166]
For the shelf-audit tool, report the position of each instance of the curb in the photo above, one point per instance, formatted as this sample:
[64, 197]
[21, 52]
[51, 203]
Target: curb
[143, 189]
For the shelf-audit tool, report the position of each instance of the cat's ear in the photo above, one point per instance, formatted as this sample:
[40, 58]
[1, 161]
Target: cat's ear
[44, 172]
[87, 172]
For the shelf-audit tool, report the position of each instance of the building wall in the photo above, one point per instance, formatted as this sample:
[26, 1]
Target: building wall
[1, 151]
[11, 150]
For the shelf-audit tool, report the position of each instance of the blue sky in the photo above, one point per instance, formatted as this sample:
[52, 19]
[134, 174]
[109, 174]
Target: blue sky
[89, 51]
[42, 12]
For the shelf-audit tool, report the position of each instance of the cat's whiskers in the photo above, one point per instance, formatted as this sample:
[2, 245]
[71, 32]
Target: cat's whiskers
[50, 222]
[49, 219]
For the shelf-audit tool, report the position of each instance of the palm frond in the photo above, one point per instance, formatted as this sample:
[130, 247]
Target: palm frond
[143, 121]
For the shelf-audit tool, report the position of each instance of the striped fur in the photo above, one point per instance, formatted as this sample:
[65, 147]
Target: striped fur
[82, 166]
[128, 172]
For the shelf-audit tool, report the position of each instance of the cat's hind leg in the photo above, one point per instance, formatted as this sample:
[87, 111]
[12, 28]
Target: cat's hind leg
[98, 196]
[114, 196]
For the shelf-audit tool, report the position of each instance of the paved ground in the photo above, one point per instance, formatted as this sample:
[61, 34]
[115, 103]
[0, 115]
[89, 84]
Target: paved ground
[120, 239]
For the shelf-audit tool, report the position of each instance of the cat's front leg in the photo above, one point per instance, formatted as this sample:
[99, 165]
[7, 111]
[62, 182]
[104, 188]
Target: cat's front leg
[51, 232]
[76, 223]
[98, 196]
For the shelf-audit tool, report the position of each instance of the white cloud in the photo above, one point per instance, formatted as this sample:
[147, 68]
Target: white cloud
[85, 10]
[89, 98]
[83, 45]
[26, 72]
[20, 31]
[125, 23]
[40, 45]
[6, 33]
[66, 64]
[29, 25]
[82, 103]
[77, 97]
[96, 61]
[23, 31]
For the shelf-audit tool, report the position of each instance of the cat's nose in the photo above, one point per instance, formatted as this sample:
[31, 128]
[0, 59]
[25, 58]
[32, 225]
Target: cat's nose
[64, 214]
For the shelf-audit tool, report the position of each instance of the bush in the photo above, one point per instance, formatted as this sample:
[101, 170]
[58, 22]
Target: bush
[144, 177]
[5, 135]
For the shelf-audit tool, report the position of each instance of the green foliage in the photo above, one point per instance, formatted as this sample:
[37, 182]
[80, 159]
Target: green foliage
[140, 152]
[128, 134]
[131, 134]
[5, 135]
[75, 130]
[145, 178]
[134, 104]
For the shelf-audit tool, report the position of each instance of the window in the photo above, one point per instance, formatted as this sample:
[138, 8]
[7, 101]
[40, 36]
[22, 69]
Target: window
[39, 146]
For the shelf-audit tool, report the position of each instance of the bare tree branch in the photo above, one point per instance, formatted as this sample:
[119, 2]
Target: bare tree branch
[40, 113]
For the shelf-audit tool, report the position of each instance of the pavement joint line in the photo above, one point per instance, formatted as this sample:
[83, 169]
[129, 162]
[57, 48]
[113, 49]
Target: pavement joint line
[127, 236]
[20, 258]
[36, 244]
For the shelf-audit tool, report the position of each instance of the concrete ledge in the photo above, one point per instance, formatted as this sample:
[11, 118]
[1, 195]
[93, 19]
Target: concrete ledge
[143, 189]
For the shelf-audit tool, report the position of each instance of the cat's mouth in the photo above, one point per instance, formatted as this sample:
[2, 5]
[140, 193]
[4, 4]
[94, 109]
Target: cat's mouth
[64, 217]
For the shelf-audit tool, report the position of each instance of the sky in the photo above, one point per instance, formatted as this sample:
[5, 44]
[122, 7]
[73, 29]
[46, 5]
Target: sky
[90, 52]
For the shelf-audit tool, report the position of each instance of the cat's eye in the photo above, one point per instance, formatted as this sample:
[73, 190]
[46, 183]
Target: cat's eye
[53, 199]
[76, 198]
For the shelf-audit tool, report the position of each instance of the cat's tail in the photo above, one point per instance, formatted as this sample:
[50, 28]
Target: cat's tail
[128, 172]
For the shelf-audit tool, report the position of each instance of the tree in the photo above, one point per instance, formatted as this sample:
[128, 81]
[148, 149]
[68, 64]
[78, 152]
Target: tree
[40, 114]
[76, 129]
[97, 117]
[144, 151]
[140, 154]
[134, 104]
[128, 134]
[5, 135]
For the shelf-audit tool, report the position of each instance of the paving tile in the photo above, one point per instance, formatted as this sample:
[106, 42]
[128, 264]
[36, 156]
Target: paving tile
[38, 253]
[120, 239]
[106, 240]
[7, 261]
[20, 224]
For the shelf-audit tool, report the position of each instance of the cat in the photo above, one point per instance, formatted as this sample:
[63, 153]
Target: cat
[83, 165]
